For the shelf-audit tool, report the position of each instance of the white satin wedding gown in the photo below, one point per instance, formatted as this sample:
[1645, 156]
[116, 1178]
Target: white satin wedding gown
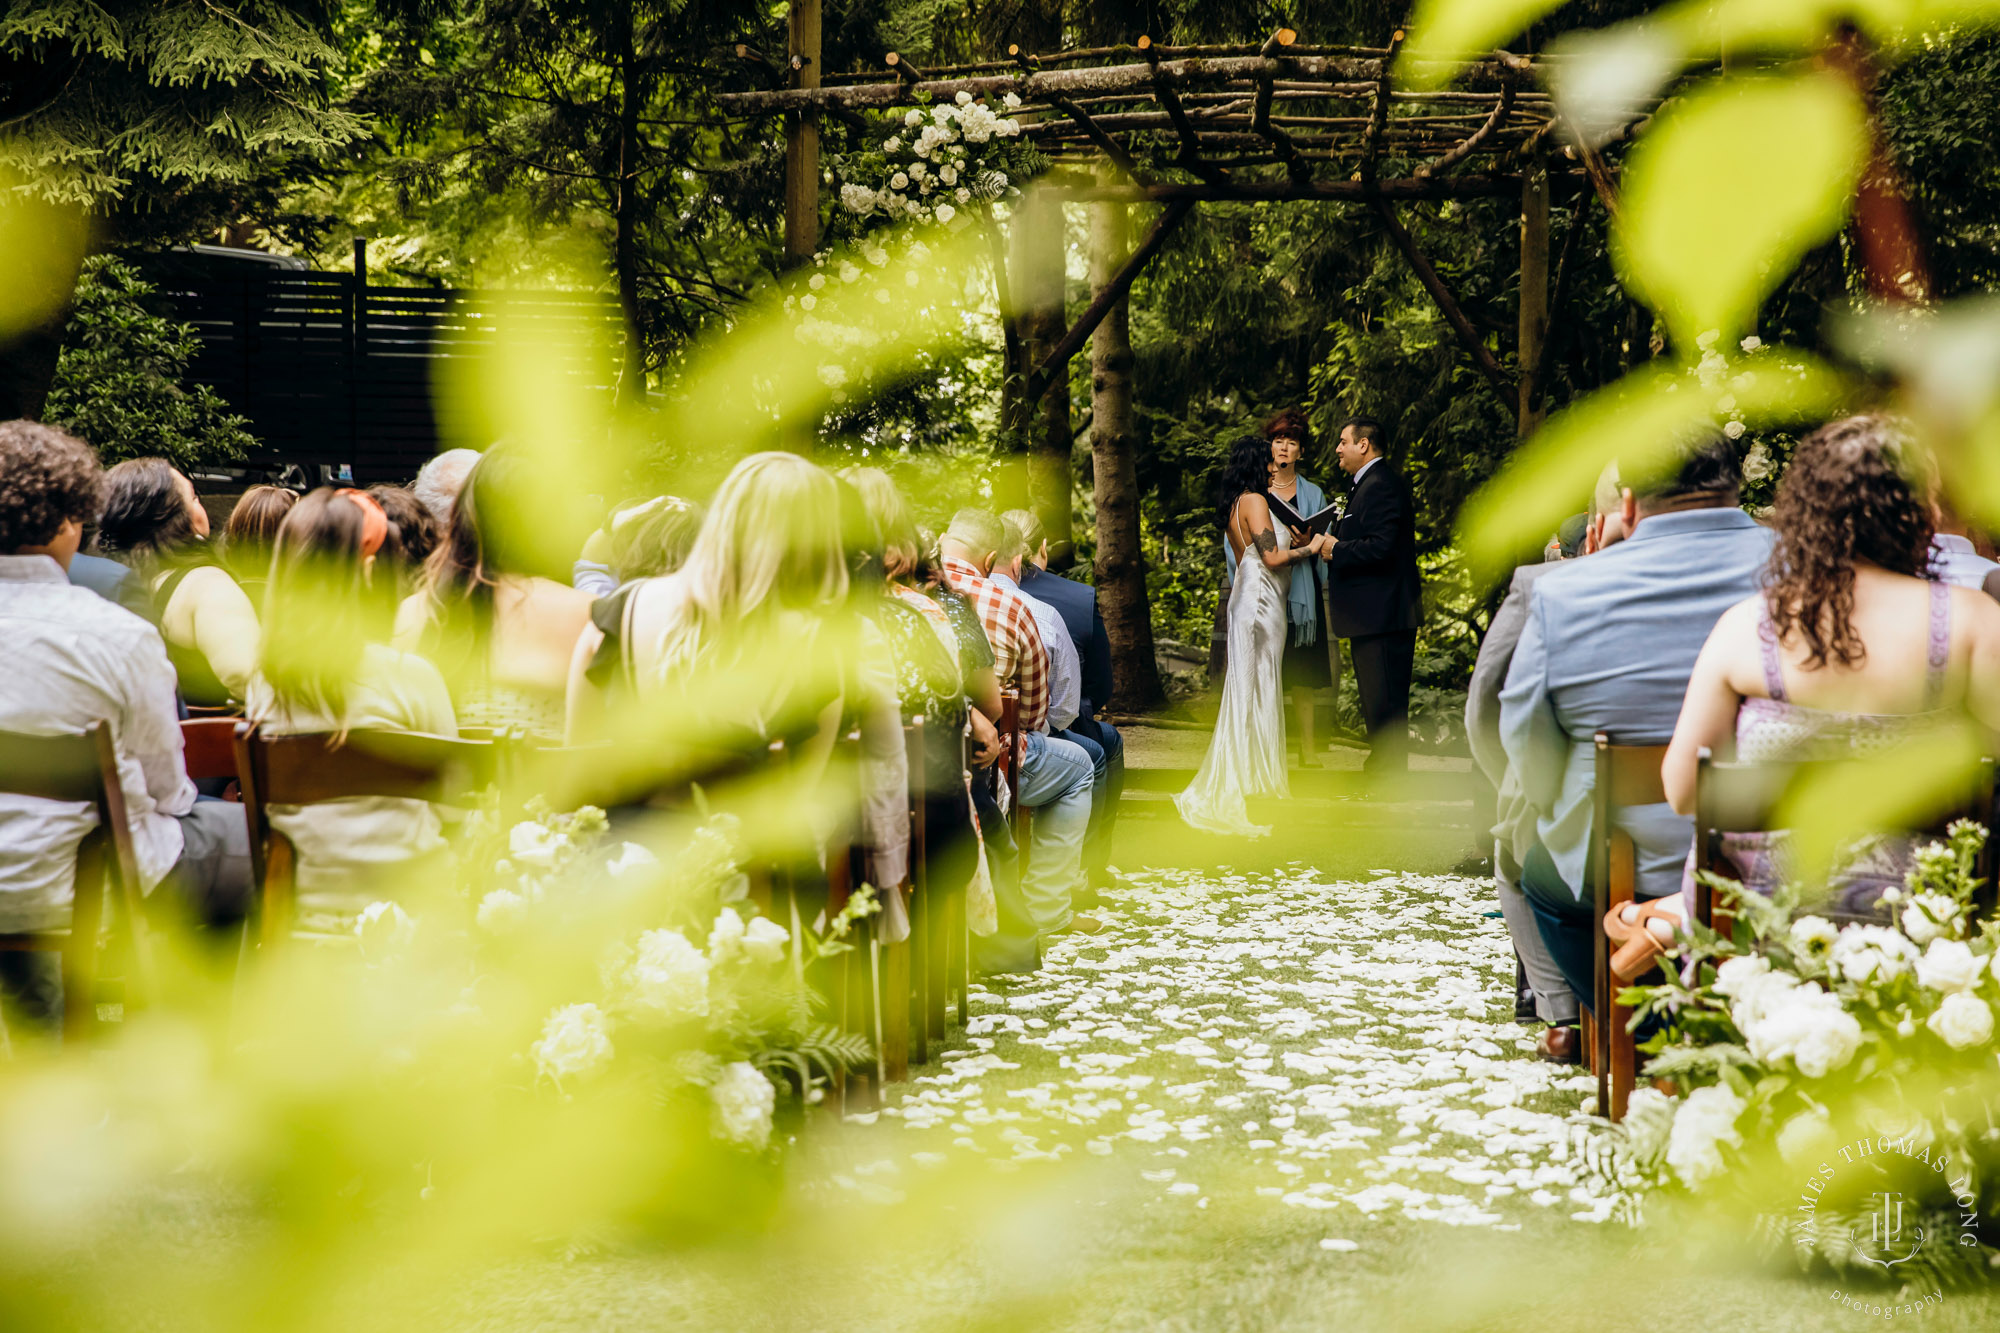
[1246, 757]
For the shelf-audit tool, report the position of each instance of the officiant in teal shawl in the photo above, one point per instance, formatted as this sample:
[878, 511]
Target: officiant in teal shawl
[1307, 664]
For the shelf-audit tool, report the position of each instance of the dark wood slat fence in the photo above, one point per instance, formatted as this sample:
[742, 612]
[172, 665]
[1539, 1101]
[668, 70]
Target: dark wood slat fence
[331, 371]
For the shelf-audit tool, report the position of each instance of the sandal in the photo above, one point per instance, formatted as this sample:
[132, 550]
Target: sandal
[1644, 936]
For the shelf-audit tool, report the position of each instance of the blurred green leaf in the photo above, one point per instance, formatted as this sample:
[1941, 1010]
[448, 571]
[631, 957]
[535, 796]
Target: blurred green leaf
[1638, 422]
[1444, 33]
[1729, 189]
[41, 248]
[1741, 27]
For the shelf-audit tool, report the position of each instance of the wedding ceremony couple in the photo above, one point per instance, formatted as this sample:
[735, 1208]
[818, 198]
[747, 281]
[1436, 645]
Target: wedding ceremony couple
[1299, 579]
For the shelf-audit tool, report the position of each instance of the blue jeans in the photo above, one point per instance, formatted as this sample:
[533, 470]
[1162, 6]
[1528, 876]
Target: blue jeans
[1055, 783]
[1106, 748]
[1568, 927]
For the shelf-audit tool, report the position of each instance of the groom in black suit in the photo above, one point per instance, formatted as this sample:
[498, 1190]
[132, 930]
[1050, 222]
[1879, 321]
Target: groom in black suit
[1376, 594]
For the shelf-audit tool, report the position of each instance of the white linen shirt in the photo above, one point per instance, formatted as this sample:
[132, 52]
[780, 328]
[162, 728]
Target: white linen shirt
[1065, 668]
[74, 659]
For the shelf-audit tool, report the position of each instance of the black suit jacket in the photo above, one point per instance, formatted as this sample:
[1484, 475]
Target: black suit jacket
[1372, 573]
[1077, 604]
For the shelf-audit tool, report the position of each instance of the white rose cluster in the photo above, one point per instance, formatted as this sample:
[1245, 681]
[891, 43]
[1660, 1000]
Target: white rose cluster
[1931, 916]
[669, 975]
[576, 1043]
[1704, 1123]
[744, 1103]
[1783, 1018]
[937, 143]
[1876, 954]
[762, 940]
[1963, 1020]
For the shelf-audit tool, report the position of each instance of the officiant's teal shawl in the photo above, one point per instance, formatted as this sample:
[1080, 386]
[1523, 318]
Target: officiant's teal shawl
[1302, 596]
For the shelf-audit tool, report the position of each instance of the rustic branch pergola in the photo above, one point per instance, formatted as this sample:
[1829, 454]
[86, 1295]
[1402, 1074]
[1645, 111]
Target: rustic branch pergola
[1271, 122]
[1177, 127]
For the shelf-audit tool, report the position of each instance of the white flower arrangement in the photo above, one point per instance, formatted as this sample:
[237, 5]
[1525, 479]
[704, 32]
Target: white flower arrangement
[745, 1102]
[669, 976]
[1795, 1037]
[575, 1044]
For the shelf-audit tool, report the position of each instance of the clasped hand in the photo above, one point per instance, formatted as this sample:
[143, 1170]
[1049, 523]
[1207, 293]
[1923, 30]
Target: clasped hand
[1319, 545]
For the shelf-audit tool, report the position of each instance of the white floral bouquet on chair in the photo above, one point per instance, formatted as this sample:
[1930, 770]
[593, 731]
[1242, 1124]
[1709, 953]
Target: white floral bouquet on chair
[1823, 1066]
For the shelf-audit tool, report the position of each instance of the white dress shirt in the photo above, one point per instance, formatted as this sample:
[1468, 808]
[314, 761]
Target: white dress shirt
[1954, 561]
[1065, 667]
[74, 660]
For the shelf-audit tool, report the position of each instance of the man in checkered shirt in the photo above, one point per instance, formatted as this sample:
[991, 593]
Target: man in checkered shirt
[1055, 776]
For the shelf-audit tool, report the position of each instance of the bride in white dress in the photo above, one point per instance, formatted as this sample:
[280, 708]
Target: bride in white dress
[1247, 755]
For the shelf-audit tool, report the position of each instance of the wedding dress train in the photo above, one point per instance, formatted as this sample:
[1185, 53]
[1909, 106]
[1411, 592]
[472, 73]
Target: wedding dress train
[1246, 757]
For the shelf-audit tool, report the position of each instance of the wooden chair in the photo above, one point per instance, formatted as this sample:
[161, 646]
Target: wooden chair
[312, 768]
[208, 747]
[1626, 775]
[1732, 797]
[83, 767]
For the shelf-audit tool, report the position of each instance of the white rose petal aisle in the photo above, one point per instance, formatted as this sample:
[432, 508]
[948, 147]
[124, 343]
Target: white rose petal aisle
[1335, 1047]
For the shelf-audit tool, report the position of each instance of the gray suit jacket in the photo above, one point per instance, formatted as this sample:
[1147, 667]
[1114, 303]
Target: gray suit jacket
[1514, 822]
[1608, 645]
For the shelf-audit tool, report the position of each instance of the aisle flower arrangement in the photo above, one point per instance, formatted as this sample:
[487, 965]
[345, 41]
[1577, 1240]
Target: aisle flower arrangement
[691, 989]
[1830, 1074]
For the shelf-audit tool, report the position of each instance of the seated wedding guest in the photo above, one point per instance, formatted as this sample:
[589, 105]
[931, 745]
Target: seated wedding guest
[73, 660]
[440, 480]
[150, 518]
[1077, 603]
[1953, 556]
[1055, 776]
[1852, 647]
[739, 646]
[640, 541]
[327, 667]
[249, 534]
[1608, 645]
[952, 797]
[1514, 823]
[416, 531]
[110, 580]
[488, 617]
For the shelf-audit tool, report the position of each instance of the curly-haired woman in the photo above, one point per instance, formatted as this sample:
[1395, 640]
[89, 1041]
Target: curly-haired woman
[1852, 647]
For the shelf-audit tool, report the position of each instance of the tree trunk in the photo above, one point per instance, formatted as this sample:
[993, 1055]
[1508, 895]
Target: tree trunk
[625, 219]
[1039, 291]
[1121, 559]
[1534, 314]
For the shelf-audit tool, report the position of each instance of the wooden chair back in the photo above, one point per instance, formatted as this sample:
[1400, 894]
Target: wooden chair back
[312, 768]
[82, 768]
[1625, 775]
[208, 747]
[1738, 797]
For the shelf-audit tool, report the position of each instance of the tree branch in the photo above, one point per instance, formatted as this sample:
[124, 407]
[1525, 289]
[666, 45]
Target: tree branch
[1454, 314]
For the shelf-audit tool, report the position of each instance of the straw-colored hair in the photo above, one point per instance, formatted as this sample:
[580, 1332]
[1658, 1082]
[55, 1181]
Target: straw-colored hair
[771, 543]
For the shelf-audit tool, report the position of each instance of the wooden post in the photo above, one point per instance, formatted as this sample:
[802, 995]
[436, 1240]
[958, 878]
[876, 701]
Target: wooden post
[1121, 558]
[802, 139]
[1534, 292]
[1039, 292]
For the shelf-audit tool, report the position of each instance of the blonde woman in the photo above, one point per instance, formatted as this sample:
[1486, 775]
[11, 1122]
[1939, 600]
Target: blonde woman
[753, 640]
[327, 667]
[150, 519]
[501, 632]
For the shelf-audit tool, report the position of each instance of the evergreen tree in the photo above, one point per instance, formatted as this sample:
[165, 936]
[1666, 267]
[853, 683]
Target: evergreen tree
[161, 119]
[122, 381]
